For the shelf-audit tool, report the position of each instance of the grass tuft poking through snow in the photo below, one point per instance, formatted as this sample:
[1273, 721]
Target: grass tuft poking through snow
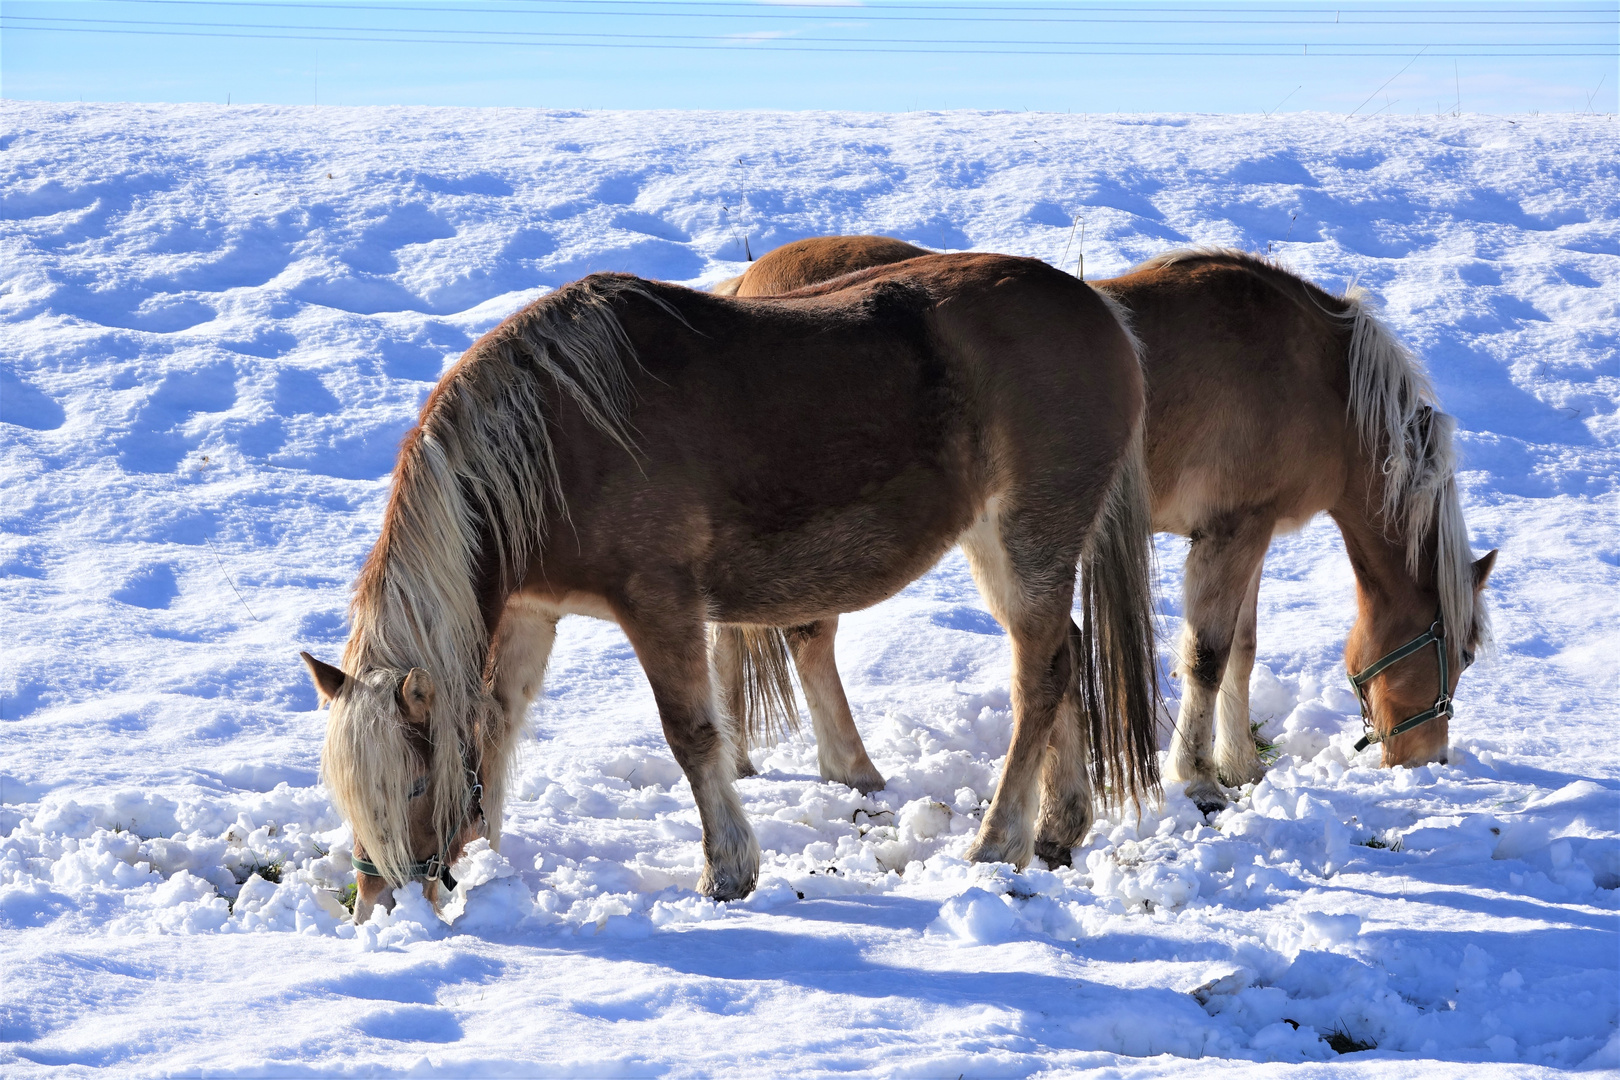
[1342, 1042]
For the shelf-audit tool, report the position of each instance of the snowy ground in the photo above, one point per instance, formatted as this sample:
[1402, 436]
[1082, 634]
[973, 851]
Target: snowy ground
[216, 323]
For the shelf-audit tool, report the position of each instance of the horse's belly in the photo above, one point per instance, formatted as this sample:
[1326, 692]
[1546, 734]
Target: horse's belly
[1197, 499]
[820, 595]
[840, 562]
[1189, 503]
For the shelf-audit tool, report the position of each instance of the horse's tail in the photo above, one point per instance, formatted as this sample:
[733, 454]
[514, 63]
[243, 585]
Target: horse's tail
[1116, 673]
[764, 667]
[727, 287]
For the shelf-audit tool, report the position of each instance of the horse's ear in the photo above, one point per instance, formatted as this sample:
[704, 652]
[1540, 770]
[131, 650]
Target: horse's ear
[328, 679]
[1482, 569]
[416, 695]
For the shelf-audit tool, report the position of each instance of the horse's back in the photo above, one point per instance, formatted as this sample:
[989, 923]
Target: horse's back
[1030, 346]
[1247, 387]
[819, 259]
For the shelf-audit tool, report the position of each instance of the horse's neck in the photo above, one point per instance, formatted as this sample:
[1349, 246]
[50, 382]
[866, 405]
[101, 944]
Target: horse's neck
[1377, 553]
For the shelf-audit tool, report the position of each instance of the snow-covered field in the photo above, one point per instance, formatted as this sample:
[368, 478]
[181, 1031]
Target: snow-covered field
[215, 325]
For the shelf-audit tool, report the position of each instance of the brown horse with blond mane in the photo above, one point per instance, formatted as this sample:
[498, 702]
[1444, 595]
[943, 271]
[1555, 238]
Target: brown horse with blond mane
[665, 458]
[1269, 401]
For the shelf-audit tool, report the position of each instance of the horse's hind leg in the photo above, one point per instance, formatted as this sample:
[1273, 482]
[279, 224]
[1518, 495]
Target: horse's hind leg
[840, 754]
[1236, 761]
[1223, 558]
[517, 670]
[728, 650]
[1066, 798]
[1029, 587]
[666, 628]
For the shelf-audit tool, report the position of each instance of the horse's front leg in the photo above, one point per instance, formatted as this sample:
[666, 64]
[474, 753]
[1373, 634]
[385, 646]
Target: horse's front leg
[518, 656]
[840, 754]
[1236, 761]
[1219, 566]
[665, 626]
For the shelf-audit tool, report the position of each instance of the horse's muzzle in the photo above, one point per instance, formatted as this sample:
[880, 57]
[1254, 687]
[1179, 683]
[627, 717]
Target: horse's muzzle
[371, 893]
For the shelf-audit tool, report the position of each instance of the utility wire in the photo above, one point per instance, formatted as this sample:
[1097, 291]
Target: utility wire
[1400, 47]
[870, 14]
[831, 10]
[776, 45]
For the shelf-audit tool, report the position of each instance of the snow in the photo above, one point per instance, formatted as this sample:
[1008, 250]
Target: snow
[215, 325]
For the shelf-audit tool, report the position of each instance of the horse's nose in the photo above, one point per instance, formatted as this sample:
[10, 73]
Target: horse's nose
[1420, 755]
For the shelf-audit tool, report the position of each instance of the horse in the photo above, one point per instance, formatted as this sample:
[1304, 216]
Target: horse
[1269, 401]
[821, 259]
[620, 448]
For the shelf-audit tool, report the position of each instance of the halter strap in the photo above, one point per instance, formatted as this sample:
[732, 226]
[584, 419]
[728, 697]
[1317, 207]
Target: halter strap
[437, 866]
[434, 868]
[1435, 635]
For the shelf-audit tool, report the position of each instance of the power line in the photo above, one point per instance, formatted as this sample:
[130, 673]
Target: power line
[865, 8]
[775, 45]
[639, 9]
[1402, 47]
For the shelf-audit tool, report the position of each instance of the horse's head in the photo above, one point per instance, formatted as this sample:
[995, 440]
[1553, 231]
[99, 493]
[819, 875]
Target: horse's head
[1404, 663]
[400, 776]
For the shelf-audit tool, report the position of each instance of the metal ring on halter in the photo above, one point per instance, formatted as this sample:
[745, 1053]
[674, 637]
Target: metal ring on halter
[1435, 635]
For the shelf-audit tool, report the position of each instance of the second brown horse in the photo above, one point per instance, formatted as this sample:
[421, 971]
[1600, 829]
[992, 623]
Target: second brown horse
[1269, 401]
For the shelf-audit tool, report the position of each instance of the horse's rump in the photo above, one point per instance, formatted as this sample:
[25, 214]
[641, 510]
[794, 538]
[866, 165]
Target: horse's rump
[803, 262]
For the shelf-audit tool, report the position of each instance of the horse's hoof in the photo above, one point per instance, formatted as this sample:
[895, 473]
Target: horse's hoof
[864, 780]
[868, 782]
[721, 887]
[1207, 796]
[1054, 854]
[996, 851]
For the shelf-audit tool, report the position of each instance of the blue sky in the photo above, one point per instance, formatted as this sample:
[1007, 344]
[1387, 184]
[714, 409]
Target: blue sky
[885, 55]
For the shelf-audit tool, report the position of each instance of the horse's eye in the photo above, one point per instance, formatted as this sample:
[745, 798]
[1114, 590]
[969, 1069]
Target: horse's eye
[1468, 658]
[419, 788]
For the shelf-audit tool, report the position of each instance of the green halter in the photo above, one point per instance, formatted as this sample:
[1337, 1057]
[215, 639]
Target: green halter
[437, 867]
[1435, 635]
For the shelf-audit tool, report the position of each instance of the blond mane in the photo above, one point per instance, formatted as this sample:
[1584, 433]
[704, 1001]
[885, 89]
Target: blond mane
[1396, 413]
[473, 488]
[1393, 406]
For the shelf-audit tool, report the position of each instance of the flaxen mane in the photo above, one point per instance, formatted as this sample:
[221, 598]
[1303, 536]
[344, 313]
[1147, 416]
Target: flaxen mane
[473, 487]
[1392, 404]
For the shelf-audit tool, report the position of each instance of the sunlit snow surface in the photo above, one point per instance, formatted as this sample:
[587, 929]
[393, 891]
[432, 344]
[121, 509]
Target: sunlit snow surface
[217, 323]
